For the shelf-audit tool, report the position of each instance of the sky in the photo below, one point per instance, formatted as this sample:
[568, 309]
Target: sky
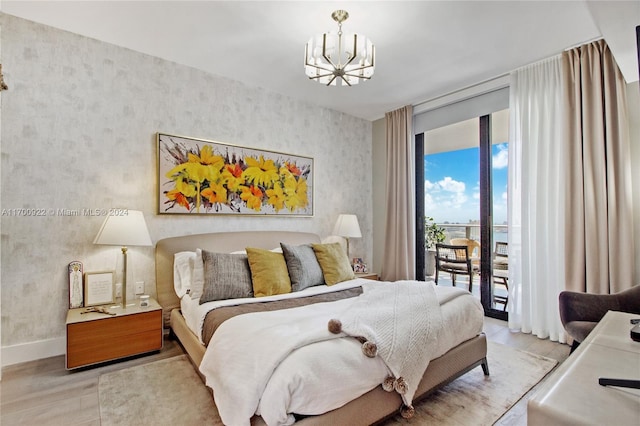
[452, 180]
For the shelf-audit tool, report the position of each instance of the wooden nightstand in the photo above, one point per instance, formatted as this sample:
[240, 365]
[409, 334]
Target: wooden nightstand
[96, 337]
[367, 275]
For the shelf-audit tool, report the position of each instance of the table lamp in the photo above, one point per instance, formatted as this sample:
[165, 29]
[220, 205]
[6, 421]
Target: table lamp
[128, 228]
[347, 226]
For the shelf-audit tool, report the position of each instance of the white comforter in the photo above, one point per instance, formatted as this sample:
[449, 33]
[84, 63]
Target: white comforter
[281, 362]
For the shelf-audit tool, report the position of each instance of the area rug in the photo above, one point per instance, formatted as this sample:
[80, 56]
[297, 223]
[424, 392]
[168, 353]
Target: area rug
[165, 393]
[476, 399]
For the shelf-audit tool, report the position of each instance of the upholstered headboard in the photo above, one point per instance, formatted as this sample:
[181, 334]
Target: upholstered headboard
[222, 242]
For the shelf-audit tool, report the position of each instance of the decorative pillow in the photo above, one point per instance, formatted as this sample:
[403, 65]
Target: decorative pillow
[183, 263]
[269, 272]
[197, 277]
[302, 264]
[334, 263]
[277, 250]
[226, 276]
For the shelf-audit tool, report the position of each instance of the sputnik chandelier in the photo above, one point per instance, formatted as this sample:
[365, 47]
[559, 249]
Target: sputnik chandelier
[334, 59]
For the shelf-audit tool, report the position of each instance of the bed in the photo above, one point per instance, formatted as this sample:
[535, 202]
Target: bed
[372, 406]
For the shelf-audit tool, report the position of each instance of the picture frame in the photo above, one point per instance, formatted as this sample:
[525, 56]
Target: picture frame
[358, 265]
[76, 284]
[199, 176]
[98, 288]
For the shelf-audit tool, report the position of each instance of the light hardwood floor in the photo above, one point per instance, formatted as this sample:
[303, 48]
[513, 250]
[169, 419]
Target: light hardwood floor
[44, 393]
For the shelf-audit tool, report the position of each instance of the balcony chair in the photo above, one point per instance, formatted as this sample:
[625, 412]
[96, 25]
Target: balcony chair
[472, 244]
[580, 312]
[456, 260]
[501, 273]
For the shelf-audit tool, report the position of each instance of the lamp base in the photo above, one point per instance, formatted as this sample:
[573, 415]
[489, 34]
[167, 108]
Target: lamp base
[124, 279]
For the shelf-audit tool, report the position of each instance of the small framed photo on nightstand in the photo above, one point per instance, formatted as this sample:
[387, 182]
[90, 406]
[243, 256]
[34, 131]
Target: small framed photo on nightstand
[358, 265]
[98, 288]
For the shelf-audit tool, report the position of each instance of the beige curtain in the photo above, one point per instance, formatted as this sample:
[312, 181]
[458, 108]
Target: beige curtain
[400, 229]
[599, 222]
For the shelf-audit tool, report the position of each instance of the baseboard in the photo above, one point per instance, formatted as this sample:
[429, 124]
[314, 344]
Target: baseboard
[32, 351]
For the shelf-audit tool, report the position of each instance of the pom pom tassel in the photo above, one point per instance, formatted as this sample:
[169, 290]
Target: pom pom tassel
[407, 411]
[335, 326]
[387, 384]
[400, 385]
[370, 349]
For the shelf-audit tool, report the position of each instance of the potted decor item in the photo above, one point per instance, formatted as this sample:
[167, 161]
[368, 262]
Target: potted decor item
[433, 234]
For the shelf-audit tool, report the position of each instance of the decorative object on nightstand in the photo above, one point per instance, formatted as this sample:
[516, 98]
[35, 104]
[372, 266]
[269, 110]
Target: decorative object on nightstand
[98, 288]
[124, 228]
[76, 286]
[347, 227]
[358, 265]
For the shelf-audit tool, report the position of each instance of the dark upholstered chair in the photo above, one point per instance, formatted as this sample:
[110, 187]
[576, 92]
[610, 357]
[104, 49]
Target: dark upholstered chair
[580, 312]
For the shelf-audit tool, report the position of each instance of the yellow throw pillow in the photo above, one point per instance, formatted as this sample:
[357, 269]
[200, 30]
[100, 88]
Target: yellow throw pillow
[334, 263]
[269, 273]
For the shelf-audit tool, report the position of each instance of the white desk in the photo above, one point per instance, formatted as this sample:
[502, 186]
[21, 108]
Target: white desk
[571, 395]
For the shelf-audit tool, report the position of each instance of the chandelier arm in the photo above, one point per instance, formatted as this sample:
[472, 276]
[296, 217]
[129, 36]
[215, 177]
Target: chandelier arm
[364, 67]
[358, 76]
[345, 80]
[355, 51]
[320, 67]
[321, 76]
[351, 58]
[324, 52]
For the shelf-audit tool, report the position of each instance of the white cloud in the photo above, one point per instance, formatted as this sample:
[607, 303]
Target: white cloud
[428, 185]
[451, 185]
[429, 204]
[501, 159]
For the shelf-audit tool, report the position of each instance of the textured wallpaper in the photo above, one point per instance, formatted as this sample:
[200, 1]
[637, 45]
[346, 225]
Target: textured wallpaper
[78, 132]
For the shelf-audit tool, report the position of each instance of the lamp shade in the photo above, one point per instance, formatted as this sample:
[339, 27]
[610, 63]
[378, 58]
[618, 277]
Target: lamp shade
[128, 229]
[347, 226]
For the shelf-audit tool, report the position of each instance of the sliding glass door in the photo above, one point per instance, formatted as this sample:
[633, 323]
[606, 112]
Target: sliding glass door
[462, 188]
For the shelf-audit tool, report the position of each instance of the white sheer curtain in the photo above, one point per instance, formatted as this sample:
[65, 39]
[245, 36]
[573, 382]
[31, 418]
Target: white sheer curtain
[536, 200]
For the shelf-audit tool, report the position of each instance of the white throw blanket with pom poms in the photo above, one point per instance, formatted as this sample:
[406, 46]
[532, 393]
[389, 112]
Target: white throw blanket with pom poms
[403, 320]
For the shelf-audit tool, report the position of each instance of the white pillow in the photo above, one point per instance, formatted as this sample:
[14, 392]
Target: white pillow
[183, 263]
[197, 279]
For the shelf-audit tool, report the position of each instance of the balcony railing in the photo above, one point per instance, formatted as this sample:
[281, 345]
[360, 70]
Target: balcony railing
[472, 231]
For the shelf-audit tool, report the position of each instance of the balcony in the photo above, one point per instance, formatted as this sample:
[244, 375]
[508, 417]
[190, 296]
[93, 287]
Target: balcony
[471, 231]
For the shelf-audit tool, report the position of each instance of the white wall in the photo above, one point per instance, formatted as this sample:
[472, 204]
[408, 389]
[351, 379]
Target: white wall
[78, 131]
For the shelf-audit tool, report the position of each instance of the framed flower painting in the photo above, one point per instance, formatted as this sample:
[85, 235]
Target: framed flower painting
[197, 176]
